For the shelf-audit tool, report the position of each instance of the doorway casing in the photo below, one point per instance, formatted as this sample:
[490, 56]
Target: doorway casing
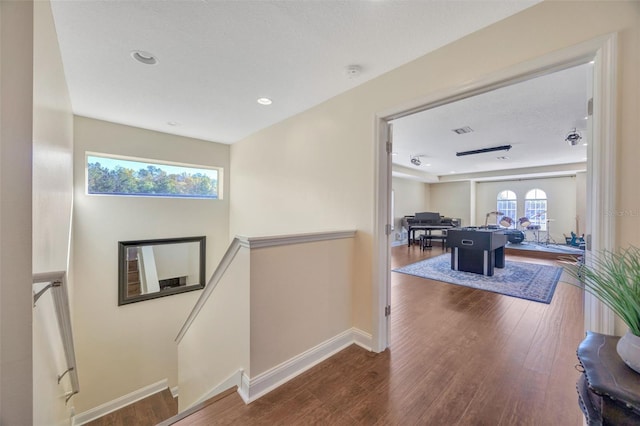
[600, 227]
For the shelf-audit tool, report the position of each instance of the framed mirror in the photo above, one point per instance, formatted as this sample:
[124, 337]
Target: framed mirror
[148, 269]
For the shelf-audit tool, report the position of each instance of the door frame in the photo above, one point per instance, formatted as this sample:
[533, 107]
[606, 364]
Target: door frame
[601, 159]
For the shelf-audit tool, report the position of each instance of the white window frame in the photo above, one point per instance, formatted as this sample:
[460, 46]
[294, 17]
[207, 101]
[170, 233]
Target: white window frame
[159, 163]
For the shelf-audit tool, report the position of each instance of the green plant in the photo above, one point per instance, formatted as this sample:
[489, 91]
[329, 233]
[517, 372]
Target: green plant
[614, 279]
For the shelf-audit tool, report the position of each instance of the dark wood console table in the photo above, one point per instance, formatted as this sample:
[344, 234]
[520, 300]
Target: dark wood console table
[476, 250]
[608, 390]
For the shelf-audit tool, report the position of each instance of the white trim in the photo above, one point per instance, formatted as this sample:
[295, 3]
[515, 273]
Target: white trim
[362, 339]
[381, 277]
[252, 243]
[601, 178]
[118, 403]
[282, 240]
[253, 388]
[174, 392]
[604, 49]
[233, 380]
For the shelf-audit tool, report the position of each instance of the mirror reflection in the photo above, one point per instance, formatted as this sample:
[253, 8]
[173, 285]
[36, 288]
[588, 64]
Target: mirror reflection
[155, 268]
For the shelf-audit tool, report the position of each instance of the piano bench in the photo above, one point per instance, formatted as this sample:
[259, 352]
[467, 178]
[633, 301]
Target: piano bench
[427, 240]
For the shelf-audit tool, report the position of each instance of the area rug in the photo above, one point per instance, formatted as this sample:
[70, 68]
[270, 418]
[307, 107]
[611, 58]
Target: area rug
[529, 281]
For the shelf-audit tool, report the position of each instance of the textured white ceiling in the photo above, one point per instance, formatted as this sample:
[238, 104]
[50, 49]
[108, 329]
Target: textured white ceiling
[534, 117]
[217, 57]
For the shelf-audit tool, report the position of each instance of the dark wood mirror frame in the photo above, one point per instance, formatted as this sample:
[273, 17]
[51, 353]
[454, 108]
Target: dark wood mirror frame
[148, 269]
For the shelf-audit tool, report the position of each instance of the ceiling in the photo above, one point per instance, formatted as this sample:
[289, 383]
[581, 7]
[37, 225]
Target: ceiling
[215, 58]
[534, 117]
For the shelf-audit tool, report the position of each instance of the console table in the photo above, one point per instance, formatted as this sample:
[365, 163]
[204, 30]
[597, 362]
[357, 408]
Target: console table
[608, 390]
[476, 250]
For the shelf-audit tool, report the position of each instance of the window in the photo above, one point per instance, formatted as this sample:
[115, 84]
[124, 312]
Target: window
[120, 176]
[507, 204]
[535, 208]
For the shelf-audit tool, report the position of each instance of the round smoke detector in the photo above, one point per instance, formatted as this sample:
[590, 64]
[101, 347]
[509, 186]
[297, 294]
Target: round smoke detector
[353, 71]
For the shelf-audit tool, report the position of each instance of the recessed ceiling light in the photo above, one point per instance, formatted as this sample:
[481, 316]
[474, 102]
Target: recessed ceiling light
[428, 164]
[586, 117]
[585, 144]
[264, 101]
[144, 57]
[394, 153]
[592, 62]
[452, 171]
[173, 123]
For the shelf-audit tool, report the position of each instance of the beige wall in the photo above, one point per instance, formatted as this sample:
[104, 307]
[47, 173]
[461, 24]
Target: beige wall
[411, 197]
[122, 349]
[452, 199]
[52, 203]
[300, 297]
[16, 106]
[561, 202]
[316, 170]
[217, 342]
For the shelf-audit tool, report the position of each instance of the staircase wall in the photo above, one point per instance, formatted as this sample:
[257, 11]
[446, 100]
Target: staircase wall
[121, 349]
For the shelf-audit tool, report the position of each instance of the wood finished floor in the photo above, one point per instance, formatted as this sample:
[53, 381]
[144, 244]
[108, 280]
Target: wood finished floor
[459, 356]
[147, 412]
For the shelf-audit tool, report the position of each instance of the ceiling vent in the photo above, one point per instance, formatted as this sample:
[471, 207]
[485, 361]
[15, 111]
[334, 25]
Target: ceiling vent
[463, 130]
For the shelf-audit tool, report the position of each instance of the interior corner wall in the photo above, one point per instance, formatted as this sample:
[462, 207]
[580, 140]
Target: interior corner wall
[561, 202]
[410, 196]
[452, 199]
[16, 135]
[316, 170]
[52, 204]
[121, 349]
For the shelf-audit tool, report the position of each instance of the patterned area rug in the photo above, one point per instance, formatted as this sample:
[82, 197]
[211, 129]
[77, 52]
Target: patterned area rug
[529, 281]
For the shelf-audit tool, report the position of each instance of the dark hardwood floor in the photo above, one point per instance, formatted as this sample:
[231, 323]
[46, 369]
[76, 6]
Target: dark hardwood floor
[458, 356]
[147, 412]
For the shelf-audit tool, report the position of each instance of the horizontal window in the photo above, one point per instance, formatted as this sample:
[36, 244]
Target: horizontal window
[138, 177]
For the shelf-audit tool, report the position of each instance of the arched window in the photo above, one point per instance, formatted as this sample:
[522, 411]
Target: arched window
[535, 208]
[507, 204]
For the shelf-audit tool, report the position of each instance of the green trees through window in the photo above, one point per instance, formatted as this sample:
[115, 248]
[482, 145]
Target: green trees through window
[114, 176]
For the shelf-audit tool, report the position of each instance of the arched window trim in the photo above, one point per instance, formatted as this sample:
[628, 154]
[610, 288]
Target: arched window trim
[536, 206]
[507, 203]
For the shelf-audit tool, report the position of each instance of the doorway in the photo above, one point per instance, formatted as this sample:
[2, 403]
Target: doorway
[600, 166]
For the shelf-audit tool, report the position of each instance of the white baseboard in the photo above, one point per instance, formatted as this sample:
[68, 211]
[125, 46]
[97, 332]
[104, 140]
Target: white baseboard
[118, 403]
[253, 388]
[233, 380]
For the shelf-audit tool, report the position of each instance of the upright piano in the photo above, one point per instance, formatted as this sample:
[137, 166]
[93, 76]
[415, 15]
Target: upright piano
[427, 222]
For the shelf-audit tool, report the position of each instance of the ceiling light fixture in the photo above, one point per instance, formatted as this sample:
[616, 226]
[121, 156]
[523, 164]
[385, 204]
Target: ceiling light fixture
[573, 137]
[144, 57]
[503, 158]
[415, 160]
[173, 123]
[264, 101]
[483, 150]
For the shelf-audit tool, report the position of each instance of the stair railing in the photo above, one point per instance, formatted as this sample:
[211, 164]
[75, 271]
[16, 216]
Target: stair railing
[57, 283]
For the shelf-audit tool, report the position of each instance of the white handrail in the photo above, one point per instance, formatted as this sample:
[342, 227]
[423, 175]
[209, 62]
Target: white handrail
[58, 287]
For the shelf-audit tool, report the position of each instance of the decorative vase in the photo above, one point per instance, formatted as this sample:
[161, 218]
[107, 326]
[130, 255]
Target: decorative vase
[629, 350]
